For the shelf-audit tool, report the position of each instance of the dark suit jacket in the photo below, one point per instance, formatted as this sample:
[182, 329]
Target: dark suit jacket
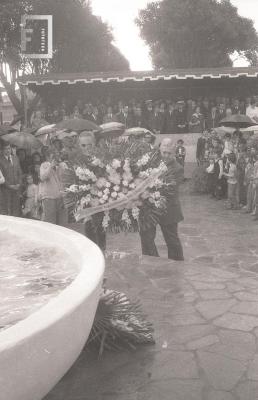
[155, 122]
[12, 172]
[174, 176]
[180, 119]
[169, 126]
[127, 120]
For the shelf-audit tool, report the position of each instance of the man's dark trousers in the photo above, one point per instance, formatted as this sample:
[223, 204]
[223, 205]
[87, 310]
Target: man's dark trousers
[169, 231]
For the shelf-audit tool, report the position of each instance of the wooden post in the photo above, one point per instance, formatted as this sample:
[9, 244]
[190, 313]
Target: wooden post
[25, 105]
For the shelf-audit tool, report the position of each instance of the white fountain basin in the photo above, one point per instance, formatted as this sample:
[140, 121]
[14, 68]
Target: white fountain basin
[37, 351]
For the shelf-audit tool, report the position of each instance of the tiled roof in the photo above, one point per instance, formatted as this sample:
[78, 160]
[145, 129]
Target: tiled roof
[140, 76]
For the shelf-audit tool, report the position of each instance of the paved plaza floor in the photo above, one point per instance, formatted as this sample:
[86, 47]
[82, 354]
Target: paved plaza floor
[204, 311]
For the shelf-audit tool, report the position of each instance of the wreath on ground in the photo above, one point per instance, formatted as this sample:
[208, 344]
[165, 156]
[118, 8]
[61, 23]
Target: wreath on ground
[119, 324]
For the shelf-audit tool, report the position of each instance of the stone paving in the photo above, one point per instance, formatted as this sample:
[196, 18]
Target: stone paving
[204, 310]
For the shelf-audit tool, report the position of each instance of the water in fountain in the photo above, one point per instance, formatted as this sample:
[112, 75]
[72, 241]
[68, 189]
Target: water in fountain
[31, 273]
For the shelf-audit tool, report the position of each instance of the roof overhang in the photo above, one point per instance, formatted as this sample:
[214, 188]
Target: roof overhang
[119, 77]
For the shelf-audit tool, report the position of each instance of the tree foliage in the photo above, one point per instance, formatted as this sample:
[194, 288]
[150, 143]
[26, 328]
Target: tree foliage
[81, 42]
[196, 33]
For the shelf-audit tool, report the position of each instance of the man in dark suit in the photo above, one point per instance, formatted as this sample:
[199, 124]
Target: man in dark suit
[181, 118]
[138, 118]
[11, 170]
[236, 107]
[220, 114]
[168, 220]
[156, 121]
[170, 119]
[125, 117]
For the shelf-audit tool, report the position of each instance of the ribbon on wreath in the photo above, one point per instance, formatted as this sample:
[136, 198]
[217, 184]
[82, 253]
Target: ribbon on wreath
[133, 195]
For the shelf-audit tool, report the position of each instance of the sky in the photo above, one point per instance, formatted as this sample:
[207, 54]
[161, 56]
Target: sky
[120, 15]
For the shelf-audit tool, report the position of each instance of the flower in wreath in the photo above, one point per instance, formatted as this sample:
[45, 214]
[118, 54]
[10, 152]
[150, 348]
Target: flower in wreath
[144, 174]
[126, 166]
[132, 185]
[101, 182]
[84, 174]
[116, 188]
[122, 195]
[127, 176]
[125, 183]
[113, 176]
[94, 191]
[143, 161]
[116, 164]
[97, 162]
[114, 195]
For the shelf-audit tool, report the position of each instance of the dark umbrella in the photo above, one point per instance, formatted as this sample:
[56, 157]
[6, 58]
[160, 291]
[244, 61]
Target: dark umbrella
[4, 129]
[78, 125]
[237, 121]
[22, 140]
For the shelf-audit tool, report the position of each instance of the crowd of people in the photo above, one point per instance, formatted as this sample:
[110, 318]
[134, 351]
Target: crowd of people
[159, 116]
[32, 186]
[228, 169]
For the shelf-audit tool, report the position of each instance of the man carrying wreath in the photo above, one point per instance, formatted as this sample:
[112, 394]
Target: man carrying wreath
[172, 215]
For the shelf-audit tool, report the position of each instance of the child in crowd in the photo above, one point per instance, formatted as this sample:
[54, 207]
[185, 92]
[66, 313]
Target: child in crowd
[30, 209]
[180, 152]
[228, 145]
[232, 182]
[249, 184]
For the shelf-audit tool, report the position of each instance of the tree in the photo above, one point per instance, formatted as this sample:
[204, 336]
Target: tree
[196, 33]
[81, 42]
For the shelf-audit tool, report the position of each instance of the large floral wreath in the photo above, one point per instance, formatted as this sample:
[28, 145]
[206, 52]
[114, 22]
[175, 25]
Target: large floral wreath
[125, 182]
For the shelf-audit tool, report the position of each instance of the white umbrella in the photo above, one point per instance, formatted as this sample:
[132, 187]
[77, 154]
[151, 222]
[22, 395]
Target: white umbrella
[224, 129]
[45, 129]
[253, 128]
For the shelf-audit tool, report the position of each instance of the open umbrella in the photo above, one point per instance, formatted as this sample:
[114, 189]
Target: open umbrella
[78, 125]
[45, 129]
[253, 128]
[224, 129]
[237, 121]
[4, 129]
[137, 131]
[64, 134]
[23, 140]
[111, 129]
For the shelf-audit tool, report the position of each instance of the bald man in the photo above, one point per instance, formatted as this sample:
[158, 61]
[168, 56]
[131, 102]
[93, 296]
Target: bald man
[173, 214]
